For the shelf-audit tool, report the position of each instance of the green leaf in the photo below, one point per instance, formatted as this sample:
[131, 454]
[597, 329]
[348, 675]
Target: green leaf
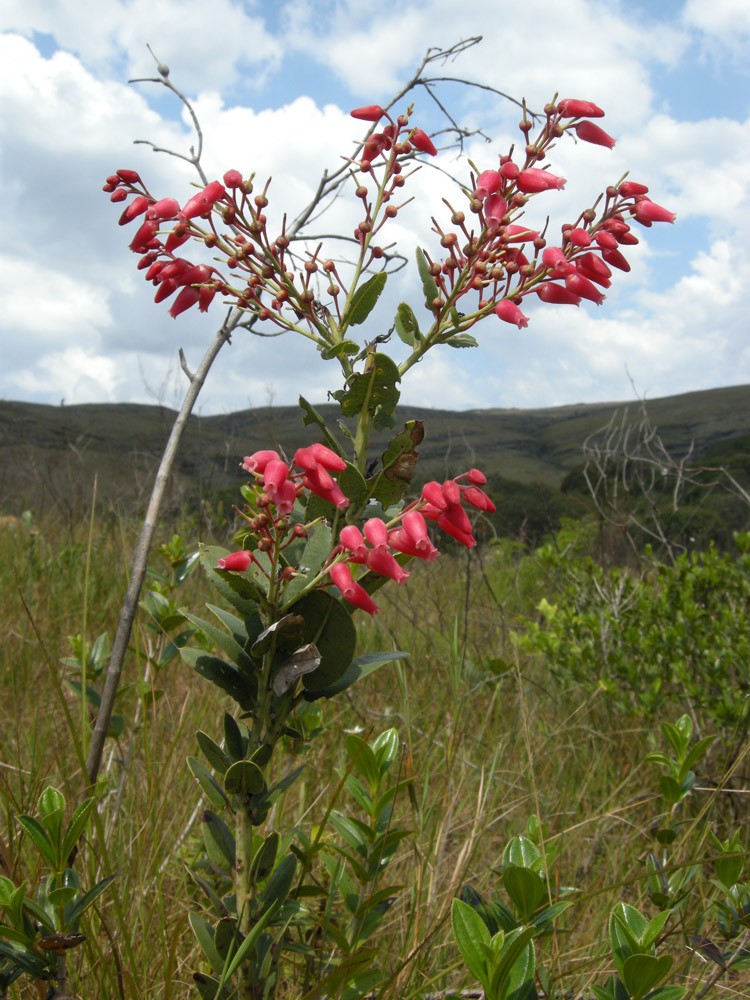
[205, 937]
[364, 299]
[374, 387]
[429, 286]
[470, 931]
[327, 624]
[76, 827]
[213, 753]
[219, 841]
[337, 350]
[642, 973]
[87, 899]
[359, 668]
[279, 883]
[694, 755]
[27, 960]
[364, 759]
[668, 993]
[514, 947]
[526, 890]
[234, 739]
[242, 688]
[39, 837]
[386, 747]
[208, 783]
[265, 858]
[227, 643]
[406, 325]
[311, 416]
[462, 340]
[317, 548]
[210, 988]
[244, 778]
[521, 852]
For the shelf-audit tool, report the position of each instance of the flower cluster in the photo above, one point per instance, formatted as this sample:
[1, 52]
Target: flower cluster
[224, 218]
[507, 260]
[376, 546]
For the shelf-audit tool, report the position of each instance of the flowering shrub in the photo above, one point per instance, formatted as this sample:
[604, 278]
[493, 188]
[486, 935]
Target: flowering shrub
[320, 534]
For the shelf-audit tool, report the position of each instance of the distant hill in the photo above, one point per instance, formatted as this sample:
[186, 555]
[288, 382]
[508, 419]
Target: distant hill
[50, 454]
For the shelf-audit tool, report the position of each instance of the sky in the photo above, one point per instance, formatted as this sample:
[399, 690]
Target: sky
[272, 84]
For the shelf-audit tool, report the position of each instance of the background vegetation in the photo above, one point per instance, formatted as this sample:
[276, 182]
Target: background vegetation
[540, 669]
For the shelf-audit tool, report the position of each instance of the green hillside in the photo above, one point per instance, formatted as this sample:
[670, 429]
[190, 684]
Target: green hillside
[50, 454]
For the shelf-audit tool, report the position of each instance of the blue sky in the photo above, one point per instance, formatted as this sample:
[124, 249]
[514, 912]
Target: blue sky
[273, 83]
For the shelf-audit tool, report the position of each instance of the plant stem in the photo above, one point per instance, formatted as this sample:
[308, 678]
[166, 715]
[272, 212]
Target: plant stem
[140, 562]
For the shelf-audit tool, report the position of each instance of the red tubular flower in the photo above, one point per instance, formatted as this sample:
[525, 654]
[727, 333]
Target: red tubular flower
[154, 269]
[203, 202]
[284, 497]
[432, 492]
[129, 176]
[165, 289]
[174, 240]
[451, 492]
[185, 300]
[450, 529]
[510, 170]
[351, 538]
[495, 208]
[593, 267]
[197, 275]
[175, 269]
[136, 207]
[579, 238]
[647, 211]
[314, 482]
[533, 180]
[628, 189]
[275, 473]
[579, 285]
[519, 234]
[423, 142]
[384, 563]
[592, 133]
[352, 592]
[369, 113]
[144, 236]
[327, 458]
[238, 561]
[205, 297]
[167, 208]
[479, 499]
[457, 516]
[376, 532]
[415, 527]
[510, 313]
[627, 239]
[402, 541]
[606, 240]
[570, 108]
[554, 260]
[488, 182]
[557, 295]
[258, 461]
[616, 259]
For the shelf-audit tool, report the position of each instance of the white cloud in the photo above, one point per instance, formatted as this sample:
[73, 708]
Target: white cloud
[213, 43]
[724, 24]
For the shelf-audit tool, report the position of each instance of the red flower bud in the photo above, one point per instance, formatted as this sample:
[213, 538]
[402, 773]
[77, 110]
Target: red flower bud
[579, 285]
[233, 178]
[569, 108]
[488, 182]
[592, 133]
[510, 313]
[555, 261]
[593, 267]
[628, 189]
[352, 592]
[579, 238]
[369, 113]
[647, 211]
[519, 234]
[185, 300]
[616, 259]
[129, 176]
[136, 207]
[144, 236]
[423, 142]
[120, 194]
[237, 561]
[533, 180]
[557, 295]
